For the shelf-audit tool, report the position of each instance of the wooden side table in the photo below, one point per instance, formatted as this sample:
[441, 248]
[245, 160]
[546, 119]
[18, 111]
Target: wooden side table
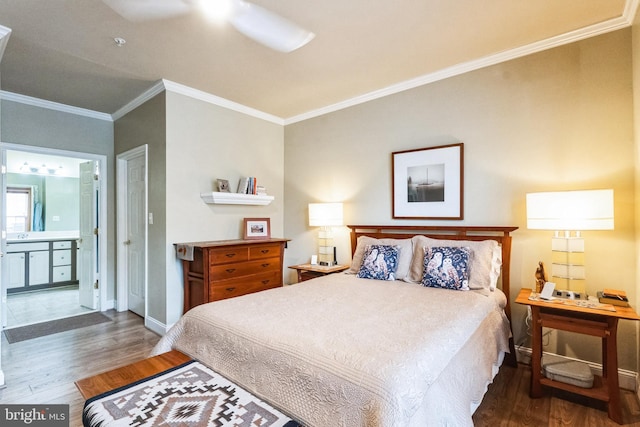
[567, 316]
[309, 271]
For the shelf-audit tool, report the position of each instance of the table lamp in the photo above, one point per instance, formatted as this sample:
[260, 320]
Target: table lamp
[567, 212]
[325, 216]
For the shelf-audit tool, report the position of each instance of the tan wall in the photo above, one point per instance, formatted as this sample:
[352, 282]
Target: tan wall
[147, 125]
[636, 121]
[556, 120]
[41, 127]
[206, 142]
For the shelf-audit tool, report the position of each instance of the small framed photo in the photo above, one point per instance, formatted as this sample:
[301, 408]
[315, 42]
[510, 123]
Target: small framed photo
[223, 186]
[428, 183]
[257, 228]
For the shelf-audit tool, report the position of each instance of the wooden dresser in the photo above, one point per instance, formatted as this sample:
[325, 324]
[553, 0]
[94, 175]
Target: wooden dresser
[229, 268]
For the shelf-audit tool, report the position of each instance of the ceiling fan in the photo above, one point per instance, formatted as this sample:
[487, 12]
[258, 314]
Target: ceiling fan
[253, 21]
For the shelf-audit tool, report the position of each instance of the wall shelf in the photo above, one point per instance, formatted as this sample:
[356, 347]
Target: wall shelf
[215, 197]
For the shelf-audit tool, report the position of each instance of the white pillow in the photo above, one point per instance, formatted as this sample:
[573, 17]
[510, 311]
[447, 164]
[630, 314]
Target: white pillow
[484, 262]
[405, 254]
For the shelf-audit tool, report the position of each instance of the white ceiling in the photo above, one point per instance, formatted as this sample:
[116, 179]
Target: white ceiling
[63, 50]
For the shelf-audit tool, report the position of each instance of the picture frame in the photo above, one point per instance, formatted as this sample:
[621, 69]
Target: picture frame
[257, 228]
[428, 183]
[223, 186]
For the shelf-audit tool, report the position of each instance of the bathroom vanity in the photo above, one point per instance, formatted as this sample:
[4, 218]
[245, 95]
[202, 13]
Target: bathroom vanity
[41, 260]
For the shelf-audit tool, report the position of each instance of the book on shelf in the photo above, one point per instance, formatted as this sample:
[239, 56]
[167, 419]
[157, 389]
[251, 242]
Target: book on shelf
[249, 185]
[608, 298]
[243, 185]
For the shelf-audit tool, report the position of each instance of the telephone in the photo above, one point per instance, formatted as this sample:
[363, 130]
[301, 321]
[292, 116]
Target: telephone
[547, 291]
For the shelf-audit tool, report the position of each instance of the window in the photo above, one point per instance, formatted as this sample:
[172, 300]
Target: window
[18, 209]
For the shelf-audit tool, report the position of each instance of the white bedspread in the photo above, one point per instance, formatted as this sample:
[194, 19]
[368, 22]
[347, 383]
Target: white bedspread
[343, 351]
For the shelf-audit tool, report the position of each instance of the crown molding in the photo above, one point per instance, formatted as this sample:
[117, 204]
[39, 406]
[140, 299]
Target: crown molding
[614, 24]
[5, 32]
[195, 94]
[221, 102]
[154, 90]
[630, 10]
[627, 18]
[37, 102]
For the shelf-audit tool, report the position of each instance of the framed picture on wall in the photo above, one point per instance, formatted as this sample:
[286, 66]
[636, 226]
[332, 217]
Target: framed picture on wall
[257, 228]
[428, 183]
[223, 186]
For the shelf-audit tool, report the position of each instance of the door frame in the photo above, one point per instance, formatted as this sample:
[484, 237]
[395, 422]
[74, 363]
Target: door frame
[103, 208]
[123, 211]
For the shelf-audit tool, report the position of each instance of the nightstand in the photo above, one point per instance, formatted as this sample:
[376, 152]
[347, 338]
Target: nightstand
[568, 316]
[309, 271]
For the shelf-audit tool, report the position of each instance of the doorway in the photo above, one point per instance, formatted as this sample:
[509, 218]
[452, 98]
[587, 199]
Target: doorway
[132, 190]
[47, 261]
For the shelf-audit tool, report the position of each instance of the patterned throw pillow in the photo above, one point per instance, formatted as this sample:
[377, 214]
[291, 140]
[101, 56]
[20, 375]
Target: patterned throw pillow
[380, 262]
[446, 267]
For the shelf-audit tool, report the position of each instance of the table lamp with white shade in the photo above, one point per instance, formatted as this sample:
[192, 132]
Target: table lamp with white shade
[567, 213]
[325, 216]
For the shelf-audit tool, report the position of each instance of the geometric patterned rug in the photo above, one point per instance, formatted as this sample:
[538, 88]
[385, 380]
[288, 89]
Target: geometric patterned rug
[188, 395]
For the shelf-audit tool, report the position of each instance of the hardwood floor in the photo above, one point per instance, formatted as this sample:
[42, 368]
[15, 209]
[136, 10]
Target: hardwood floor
[507, 404]
[43, 370]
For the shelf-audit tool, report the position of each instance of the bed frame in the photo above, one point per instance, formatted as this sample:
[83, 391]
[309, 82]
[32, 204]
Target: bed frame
[477, 233]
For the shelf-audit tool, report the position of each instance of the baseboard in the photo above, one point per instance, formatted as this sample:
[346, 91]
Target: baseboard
[155, 326]
[628, 380]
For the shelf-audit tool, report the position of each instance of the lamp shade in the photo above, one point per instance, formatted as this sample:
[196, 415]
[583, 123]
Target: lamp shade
[325, 214]
[570, 210]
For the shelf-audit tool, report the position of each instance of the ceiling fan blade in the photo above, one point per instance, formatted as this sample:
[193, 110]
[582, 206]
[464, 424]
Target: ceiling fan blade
[269, 29]
[148, 10]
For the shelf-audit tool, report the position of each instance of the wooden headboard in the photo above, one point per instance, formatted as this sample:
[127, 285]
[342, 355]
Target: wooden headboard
[499, 234]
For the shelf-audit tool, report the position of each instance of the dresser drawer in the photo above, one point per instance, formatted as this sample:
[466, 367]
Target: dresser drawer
[227, 255]
[230, 271]
[62, 273]
[62, 245]
[62, 257]
[246, 285]
[230, 268]
[264, 251]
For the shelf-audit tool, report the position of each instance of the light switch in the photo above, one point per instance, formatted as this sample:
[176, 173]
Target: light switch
[150, 217]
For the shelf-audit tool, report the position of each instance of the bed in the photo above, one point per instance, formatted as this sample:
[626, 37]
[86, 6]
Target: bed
[416, 346]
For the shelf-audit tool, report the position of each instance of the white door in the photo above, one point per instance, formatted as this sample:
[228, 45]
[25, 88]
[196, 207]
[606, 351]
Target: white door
[87, 260]
[4, 273]
[136, 230]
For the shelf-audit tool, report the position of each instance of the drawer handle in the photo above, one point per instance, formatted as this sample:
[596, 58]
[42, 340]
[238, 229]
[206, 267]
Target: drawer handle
[266, 264]
[264, 282]
[230, 270]
[231, 289]
[230, 255]
[265, 251]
